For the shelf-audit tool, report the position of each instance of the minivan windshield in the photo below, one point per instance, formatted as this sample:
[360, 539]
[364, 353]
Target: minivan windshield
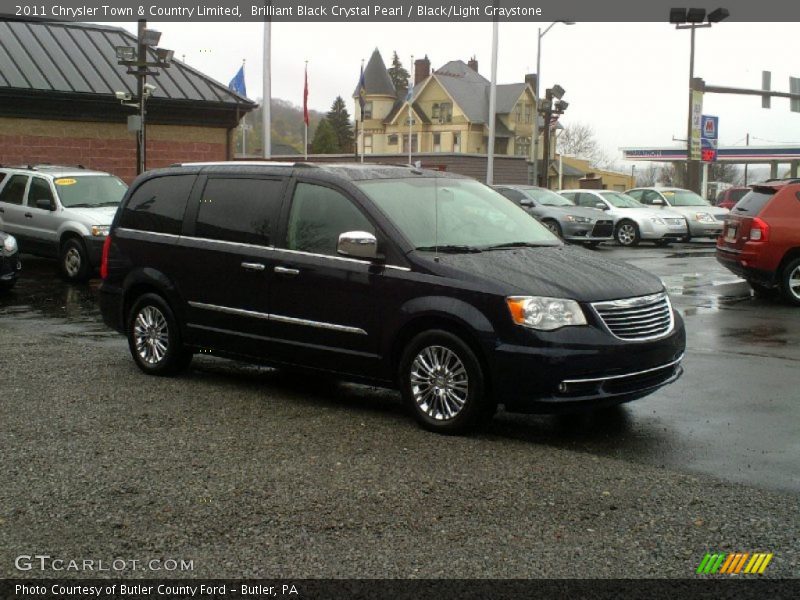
[90, 191]
[683, 198]
[621, 200]
[455, 214]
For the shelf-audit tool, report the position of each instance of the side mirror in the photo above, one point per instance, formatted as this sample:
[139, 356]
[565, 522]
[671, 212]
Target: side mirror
[358, 244]
[44, 204]
[526, 202]
[601, 206]
[658, 202]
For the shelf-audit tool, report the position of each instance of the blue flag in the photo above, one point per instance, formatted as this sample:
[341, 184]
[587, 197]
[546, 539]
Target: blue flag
[362, 92]
[237, 83]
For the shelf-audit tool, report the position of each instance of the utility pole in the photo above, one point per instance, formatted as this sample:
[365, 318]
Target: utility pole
[141, 75]
[747, 143]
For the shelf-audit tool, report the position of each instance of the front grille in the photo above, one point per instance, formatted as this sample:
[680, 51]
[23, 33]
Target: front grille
[642, 318]
[675, 221]
[603, 229]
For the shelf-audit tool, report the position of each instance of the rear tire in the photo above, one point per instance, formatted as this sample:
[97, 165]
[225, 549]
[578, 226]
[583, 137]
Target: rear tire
[443, 384]
[154, 337]
[73, 261]
[790, 282]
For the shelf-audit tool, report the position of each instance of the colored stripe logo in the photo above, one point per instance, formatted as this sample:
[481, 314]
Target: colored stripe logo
[720, 563]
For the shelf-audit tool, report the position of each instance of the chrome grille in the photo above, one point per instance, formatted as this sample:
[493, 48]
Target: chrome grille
[721, 217]
[675, 221]
[603, 229]
[641, 318]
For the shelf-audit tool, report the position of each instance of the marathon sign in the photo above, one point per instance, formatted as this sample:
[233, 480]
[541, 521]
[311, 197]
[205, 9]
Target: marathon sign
[709, 138]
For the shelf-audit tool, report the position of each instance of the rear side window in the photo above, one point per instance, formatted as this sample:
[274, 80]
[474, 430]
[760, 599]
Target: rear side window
[158, 205]
[239, 210]
[512, 195]
[14, 190]
[753, 203]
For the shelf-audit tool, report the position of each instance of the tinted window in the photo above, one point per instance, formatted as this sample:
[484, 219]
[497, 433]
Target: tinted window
[753, 202]
[648, 196]
[318, 216]
[239, 210]
[14, 190]
[587, 200]
[158, 204]
[635, 194]
[39, 190]
[514, 195]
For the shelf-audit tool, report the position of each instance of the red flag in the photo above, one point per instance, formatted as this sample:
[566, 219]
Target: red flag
[305, 99]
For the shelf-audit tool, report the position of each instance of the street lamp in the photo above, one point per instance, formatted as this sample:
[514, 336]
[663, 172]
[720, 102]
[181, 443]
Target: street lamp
[693, 18]
[549, 109]
[535, 145]
[135, 58]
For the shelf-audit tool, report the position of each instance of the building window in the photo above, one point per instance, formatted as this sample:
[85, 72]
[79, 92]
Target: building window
[443, 112]
[522, 146]
[368, 110]
[529, 113]
[456, 142]
[437, 142]
[518, 113]
[367, 144]
[414, 146]
[392, 140]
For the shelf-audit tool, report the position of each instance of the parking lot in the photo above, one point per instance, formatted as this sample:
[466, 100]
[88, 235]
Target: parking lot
[250, 472]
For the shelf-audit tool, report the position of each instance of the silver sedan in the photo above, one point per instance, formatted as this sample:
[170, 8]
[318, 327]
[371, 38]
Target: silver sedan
[633, 221]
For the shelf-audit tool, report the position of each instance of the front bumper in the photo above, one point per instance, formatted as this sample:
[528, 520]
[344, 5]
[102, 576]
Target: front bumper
[701, 229]
[656, 231]
[588, 369]
[586, 232]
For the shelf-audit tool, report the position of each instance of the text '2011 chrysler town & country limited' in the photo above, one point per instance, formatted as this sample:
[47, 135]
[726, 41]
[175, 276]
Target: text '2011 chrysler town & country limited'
[396, 276]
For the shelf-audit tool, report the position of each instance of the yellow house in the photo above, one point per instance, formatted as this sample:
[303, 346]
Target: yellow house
[579, 173]
[447, 111]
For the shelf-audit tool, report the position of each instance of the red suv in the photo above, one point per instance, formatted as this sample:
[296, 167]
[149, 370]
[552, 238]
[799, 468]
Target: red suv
[761, 239]
[728, 198]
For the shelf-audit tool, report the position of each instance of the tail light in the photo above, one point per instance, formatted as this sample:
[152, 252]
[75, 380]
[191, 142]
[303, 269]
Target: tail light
[104, 261]
[759, 231]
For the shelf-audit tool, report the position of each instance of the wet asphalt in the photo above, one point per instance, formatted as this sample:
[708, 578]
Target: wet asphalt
[258, 473]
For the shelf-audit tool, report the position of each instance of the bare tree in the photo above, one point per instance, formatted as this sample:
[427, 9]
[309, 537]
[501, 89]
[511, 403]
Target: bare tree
[578, 139]
[725, 172]
[647, 177]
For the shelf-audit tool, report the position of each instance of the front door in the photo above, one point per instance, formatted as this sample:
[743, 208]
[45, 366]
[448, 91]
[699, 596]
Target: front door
[325, 308]
[43, 222]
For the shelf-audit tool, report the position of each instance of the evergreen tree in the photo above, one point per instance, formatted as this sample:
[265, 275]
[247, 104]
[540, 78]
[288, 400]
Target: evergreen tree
[399, 76]
[339, 119]
[324, 141]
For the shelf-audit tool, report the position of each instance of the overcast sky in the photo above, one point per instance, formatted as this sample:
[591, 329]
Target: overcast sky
[628, 80]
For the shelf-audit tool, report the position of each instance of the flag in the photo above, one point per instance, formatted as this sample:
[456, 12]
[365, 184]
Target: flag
[305, 99]
[237, 83]
[362, 92]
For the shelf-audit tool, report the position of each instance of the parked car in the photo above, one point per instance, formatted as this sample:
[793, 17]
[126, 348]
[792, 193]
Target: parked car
[728, 198]
[633, 221]
[761, 240]
[60, 212]
[587, 226]
[431, 282]
[10, 264]
[704, 220]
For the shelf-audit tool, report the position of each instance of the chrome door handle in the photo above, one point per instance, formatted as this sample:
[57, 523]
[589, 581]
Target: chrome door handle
[286, 271]
[253, 266]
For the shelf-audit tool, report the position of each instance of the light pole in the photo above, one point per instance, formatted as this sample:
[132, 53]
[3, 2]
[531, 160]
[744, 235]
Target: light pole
[693, 18]
[534, 179]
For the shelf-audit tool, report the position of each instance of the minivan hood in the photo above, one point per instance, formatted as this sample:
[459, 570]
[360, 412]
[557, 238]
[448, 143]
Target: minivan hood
[102, 215]
[554, 271]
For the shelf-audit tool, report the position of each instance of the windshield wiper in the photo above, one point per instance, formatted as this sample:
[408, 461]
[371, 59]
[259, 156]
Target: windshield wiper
[81, 205]
[516, 245]
[450, 249]
[109, 203]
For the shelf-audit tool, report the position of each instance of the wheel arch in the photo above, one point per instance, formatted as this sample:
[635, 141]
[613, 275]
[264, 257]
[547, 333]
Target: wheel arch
[146, 281]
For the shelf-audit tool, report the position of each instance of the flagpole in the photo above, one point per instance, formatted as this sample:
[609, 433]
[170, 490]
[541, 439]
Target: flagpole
[266, 125]
[244, 125]
[305, 115]
[362, 119]
[410, 119]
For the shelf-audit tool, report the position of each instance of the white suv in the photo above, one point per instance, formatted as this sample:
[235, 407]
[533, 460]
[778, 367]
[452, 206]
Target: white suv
[60, 212]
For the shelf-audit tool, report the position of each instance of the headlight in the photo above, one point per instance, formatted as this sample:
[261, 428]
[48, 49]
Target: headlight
[545, 314]
[10, 244]
[658, 220]
[574, 219]
[100, 230]
[704, 218]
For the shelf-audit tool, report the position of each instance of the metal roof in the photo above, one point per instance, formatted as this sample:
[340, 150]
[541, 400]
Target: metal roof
[376, 78]
[80, 58]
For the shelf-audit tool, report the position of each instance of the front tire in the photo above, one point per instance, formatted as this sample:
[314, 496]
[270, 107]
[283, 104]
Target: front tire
[443, 384]
[627, 234]
[790, 282]
[154, 337]
[554, 227]
[74, 261]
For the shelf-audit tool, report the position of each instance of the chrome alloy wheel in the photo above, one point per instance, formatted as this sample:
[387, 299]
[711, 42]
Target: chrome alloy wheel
[72, 262]
[439, 382]
[626, 234]
[794, 282]
[151, 335]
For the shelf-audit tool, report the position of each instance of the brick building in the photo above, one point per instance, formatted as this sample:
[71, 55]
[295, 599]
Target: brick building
[58, 103]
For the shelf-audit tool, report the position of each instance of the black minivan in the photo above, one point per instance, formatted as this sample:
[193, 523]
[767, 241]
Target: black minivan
[430, 282]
